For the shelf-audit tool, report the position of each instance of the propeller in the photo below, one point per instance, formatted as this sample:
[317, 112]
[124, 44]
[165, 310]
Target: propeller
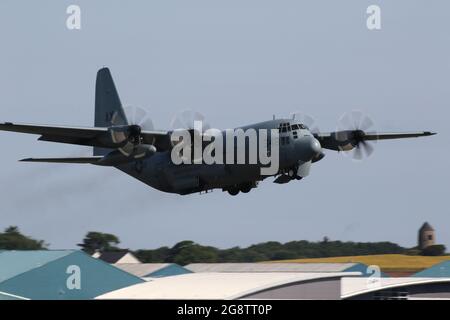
[139, 116]
[306, 120]
[130, 135]
[184, 120]
[351, 129]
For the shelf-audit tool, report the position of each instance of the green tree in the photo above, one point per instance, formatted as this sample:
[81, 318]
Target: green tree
[188, 251]
[98, 241]
[185, 252]
[195, 254]
[12, 239]
[434, 250]
[283, 255]
[177, 248]
[230, 255]
[252, 255]
[157, 255]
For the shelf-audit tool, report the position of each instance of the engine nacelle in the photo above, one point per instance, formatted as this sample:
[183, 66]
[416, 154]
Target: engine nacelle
[143, 151]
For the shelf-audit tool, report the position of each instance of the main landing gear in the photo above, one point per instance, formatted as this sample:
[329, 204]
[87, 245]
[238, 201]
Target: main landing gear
[244, 188]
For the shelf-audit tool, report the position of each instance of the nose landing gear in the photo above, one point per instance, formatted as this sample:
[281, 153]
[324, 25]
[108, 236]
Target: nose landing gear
[292, 173]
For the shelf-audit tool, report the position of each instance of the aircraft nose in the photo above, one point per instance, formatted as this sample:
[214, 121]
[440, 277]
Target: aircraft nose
[315, 146]
[308, 148]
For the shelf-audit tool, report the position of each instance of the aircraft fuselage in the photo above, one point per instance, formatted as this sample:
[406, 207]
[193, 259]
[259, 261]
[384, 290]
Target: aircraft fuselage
[158, 171]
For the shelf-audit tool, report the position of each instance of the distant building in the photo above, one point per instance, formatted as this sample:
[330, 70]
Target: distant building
[427, 236]
[117, 257]
[406, 288]
[236, 285]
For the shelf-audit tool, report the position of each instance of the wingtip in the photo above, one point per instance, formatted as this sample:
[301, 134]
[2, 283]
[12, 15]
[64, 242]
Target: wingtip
[429, 133]
[26, 160]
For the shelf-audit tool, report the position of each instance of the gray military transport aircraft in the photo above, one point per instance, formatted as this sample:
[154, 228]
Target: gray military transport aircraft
[146, 154]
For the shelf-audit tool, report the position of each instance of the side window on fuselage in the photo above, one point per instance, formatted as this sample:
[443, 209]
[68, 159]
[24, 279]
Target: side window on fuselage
[284, 128]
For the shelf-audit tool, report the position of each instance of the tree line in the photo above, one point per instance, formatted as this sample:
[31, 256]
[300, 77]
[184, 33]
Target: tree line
[186, 252]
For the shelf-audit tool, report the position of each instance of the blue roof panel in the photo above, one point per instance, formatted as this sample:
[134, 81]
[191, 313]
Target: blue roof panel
[365, 270]
[53, 280]
[172, 269]
[13, 263]
[440, 270]
[8, 296]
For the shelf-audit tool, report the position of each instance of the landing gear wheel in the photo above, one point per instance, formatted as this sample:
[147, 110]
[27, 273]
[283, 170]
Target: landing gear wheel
[291, 173]
[246, 189]
[233, 191]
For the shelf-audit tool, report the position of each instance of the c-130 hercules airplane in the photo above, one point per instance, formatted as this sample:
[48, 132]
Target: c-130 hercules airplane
[146, 154]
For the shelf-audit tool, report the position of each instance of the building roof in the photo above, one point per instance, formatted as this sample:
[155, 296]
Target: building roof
[270, 267]
[112, 257]
[141, 269]
[215, 285]
[15, 262]
[351, 287]
[441, 270]
[47, 274]
[426, 227]
[9, 296]
[154, 270]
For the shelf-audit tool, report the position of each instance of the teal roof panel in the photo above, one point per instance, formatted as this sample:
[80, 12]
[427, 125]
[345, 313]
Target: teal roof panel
[13, 263]
[440, 270]
[172, 269]
[56, 279]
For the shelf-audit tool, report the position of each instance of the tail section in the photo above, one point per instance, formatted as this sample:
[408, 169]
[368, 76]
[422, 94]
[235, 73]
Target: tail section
[108, 108]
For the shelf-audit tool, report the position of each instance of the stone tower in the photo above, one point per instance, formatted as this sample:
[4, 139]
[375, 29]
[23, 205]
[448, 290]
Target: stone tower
[427, 236]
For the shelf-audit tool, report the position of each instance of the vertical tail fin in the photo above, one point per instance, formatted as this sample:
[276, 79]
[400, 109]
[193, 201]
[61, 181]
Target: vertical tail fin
[108, 108]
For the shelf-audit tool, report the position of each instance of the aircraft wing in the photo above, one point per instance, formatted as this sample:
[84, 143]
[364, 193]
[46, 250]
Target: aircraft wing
[96, 137]
[334, 140]
[398, 135]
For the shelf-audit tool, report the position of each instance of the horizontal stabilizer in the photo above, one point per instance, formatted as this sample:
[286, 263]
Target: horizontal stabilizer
[88, 160]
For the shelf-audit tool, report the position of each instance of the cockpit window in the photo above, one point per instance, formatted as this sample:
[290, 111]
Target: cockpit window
[284, 127]
[293, 127]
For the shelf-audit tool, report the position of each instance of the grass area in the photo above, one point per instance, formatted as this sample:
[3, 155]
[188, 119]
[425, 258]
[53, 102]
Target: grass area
[387, 262]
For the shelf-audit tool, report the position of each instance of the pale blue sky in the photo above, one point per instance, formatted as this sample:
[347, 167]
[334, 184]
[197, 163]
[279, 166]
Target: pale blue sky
[236, 62]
